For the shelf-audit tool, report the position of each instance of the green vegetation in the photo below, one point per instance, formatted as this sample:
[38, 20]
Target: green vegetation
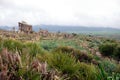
[117, 52]
[110, 49]
[60, 59]
[107, 49]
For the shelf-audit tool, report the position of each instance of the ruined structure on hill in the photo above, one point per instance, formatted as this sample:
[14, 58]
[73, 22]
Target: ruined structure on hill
[24, 27]
[43, 33]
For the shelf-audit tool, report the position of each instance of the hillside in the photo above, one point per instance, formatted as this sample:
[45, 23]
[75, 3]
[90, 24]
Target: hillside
[76, 29]
[97, 31]
[58, 56]
[71, 29]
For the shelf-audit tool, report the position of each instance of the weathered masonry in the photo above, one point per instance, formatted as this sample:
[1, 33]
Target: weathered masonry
[24, 27]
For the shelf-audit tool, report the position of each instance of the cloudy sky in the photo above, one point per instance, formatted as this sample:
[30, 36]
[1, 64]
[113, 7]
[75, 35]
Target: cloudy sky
[102, 13]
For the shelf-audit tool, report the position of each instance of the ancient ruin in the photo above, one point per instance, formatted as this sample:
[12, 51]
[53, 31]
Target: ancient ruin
[43, 33]
[24, 27]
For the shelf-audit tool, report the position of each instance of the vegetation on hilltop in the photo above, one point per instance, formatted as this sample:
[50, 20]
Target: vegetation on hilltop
[79, 58]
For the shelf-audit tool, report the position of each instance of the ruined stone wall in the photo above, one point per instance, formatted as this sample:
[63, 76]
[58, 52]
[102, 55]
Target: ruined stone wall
[25, 28]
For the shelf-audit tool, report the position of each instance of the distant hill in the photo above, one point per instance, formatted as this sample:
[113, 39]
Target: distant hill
[71, 29]
[5, 28]
[77, 29]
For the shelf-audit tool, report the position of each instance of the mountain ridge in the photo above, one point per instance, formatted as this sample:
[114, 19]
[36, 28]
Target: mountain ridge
[69, 29]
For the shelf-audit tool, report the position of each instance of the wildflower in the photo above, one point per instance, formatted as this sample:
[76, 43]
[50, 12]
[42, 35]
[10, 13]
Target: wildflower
[1, 62]
[43, 67]
[36, 65]
[17, 59]
[3, 73]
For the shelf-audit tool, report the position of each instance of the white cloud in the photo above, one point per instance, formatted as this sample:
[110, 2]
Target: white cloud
[105, 13]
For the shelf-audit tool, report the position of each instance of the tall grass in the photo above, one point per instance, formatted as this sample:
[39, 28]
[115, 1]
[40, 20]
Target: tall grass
[29, 61]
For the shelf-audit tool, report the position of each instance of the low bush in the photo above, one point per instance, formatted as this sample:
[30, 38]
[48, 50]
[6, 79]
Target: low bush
[117, 52]
[33, 49]
[108, 66]
[64, 63]
[80, 56]
[114, 76]
[64, 49]
[117, 70]
[84, 57]
[48, 45]
[13, 45]
[110, 50]
[87, 72]
[107, 49]
[74, 70]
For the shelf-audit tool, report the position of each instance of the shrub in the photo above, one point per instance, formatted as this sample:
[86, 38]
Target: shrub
[80, 56]
[13, 45]
[107, 49]
[114, 76]
[108, 66]
[117, 52]
[48, 45]
[117, 70]
[33, 49]
[64, 49]
[64, 63]
[84, 57]
[87, 72]
[68, 66]
[102, 75]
